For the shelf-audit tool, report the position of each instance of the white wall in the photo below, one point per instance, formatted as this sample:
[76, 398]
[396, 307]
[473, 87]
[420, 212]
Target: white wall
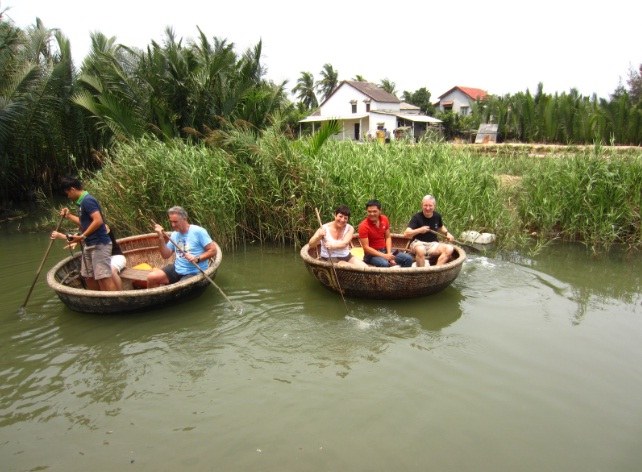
[339, 103]
[385, 106]
[389, 122]
[458, 98]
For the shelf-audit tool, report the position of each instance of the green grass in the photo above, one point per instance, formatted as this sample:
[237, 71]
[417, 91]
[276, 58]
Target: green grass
[266, 189]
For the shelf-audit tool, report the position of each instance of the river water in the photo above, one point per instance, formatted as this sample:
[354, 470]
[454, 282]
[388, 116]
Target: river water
[524, 363]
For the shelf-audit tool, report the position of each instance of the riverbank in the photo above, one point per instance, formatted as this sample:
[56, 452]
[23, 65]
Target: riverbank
[266, 189]
[547, 150]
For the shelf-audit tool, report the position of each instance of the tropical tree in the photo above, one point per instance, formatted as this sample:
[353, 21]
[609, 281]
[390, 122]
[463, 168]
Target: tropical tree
[304, 90]
[359, 78]
[635, 86]
[420, 98]
[41, 136]
[329, 81]
[111, 95]
[388, 86]
[175, 89]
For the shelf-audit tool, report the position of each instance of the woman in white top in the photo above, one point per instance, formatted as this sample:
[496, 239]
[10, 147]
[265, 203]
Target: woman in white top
[335, 238]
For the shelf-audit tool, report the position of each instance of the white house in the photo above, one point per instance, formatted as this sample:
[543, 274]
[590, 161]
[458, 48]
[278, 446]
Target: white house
[460, 99]
[363, 108]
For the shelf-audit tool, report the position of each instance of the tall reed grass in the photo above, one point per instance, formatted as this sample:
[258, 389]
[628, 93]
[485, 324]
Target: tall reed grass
[586, 197]
[249, 188]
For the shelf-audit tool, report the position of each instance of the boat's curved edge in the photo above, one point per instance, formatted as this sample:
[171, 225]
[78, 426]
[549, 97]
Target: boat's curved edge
[384, 270]
[383, 282]
[139, 298]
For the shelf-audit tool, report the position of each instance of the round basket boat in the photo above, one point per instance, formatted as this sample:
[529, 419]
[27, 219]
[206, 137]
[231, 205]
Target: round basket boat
[64, 279]
[384, 283]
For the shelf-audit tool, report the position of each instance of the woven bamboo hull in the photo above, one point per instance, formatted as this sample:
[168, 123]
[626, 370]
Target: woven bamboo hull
[384, 283]
[63, 279]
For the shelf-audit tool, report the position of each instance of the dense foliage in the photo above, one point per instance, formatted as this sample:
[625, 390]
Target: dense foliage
[266, 189]
[567, 118]
[41, 132]
[196, 123]
[55, 120]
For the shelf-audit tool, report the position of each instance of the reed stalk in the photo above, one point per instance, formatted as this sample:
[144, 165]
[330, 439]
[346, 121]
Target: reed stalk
[265, 188]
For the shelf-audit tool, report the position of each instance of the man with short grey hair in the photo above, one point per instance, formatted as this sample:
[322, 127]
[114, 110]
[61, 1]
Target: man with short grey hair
[423, 227]
[194, 246]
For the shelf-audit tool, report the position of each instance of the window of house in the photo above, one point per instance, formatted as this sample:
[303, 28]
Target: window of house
[464, 110]
[354, 107]
[367, 107]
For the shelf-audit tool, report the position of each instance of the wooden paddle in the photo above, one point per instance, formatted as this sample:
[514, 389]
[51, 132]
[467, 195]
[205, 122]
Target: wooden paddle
[199, 268]
[42, 263]
[472, 248]
[334, 271]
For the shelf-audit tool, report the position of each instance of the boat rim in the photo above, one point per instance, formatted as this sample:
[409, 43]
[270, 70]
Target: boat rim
[386, 270]
[60, 288]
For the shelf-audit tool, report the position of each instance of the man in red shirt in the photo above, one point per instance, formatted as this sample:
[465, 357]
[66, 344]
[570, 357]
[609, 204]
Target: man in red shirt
[374, 235]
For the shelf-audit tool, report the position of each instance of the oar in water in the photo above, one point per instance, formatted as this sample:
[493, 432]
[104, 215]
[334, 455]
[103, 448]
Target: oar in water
[334, 271]
[42, 263]
[199, 268]
[468, 246]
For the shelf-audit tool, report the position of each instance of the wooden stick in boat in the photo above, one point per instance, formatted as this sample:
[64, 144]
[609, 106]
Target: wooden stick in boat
[472, 248]
[42, 263]
[334, 271]
[176, 246]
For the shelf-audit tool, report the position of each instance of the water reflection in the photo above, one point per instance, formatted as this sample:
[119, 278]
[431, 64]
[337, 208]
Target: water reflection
[288, 323]
[589, 280]
[296, 320]
[198, 383]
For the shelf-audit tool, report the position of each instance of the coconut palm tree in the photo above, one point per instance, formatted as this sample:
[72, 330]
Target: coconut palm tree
[116, 100]
[177, 89]
[39, 132]
[304, 90]
[389, 86]
[329, 81]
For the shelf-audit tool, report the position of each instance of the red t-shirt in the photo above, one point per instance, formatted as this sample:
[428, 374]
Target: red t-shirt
[376, 235]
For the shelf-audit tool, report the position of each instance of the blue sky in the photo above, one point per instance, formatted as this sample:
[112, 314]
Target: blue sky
[499, 46]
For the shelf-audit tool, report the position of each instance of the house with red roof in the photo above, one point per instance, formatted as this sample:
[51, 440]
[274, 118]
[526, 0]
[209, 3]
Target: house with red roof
[460, 99]
[364, 108]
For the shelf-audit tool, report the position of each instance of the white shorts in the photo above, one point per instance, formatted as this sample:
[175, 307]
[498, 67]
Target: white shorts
[430, 247]
[118, 262]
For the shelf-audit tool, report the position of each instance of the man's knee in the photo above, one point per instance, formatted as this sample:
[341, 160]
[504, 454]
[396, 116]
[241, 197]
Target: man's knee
[377, 261]
[157, 276]
[404, 259]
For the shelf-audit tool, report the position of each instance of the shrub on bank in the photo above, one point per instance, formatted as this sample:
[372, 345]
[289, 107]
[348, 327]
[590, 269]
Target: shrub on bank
[266, 189]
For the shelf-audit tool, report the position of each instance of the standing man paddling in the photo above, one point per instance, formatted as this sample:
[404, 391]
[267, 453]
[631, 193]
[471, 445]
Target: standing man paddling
[118, 261]
[424, 241]
[96, 256]
[195, 246]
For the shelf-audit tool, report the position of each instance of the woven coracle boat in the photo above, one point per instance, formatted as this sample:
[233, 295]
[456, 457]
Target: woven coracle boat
[383, 283]
[64, 278]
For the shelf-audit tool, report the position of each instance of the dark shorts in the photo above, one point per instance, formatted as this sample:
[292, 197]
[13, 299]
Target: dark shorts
[337, 259]
[173, 276]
